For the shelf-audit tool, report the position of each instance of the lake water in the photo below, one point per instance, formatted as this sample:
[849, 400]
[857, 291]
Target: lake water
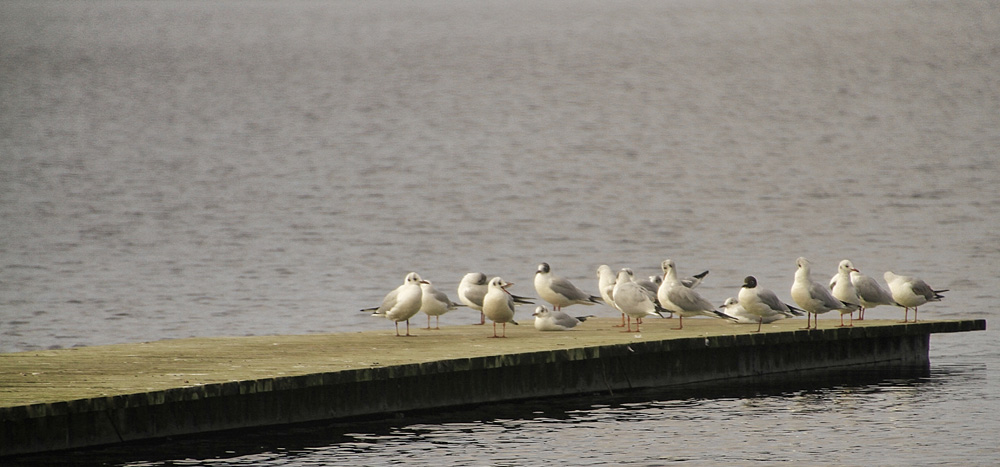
[172, 169]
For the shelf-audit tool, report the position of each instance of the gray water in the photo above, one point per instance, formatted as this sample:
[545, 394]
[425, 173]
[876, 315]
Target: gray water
[172, 169]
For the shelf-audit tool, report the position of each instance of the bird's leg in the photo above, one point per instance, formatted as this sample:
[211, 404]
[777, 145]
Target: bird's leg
[494, 330]
[482, 318]
[906, 314]
[681, 320]
[760, 323]
[407, 328]
[397, 328]
[428, 322]
[861, 314]
[914, 314]
[623, 322]
[437, 322]
[808, 317]
[504, 330]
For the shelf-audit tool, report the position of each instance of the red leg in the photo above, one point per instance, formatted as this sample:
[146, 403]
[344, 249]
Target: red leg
[681, 320]
[623, 322]
[760, 323]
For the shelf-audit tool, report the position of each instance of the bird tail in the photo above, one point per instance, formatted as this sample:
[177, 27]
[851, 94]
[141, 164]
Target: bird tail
[584, 318]
[937, 294]
[514, 323]
[700, 276]
[522, 300]
[795, 311]
[595, 299]
[724, 316]
[851, 306]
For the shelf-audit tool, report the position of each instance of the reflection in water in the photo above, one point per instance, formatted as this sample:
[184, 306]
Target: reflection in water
[783, 419]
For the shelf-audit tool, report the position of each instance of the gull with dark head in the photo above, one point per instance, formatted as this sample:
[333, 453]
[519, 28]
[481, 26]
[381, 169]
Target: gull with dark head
[763, 303]
[559, 291]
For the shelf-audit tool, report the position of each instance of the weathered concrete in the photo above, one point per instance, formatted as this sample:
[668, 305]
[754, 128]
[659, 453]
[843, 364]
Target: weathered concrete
[60, 399]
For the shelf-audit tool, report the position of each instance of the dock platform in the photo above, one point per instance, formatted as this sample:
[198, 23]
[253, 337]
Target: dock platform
[88, 396]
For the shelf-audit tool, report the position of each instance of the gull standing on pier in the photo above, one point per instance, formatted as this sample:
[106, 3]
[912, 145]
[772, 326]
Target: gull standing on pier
[498, 304]
[678, 298]
[911, 292]
[606, 285]
[870, 292]
[473, 288]
[559, 291]
[763, 303]
[435, 303]
[633, 300]
[810, 295]
[402, 303]
[546, 320]
[845, 291]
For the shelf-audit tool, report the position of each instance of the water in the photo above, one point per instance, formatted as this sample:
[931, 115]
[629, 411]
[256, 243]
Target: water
[172, 169]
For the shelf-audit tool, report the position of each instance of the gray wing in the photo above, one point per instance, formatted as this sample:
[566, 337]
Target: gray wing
[689, 300]
[768, 298]
[566, 288]
[388, 302]
[870, 291]
[920, 287]
[817, 292]
[443, 298]
[564, 320]
[475, 295]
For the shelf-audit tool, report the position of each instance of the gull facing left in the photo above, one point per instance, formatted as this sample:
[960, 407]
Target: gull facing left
[559, 291]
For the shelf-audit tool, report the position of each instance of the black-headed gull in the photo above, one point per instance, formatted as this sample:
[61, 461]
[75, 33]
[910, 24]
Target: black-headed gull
[634, 300]
[473, 288]
[435, 303]
[546, 320]
[402, 303]
[498, 304]
[763, 303]
[559, 291]
[843, 289]
[678, 298]
[911, 292]
[811, 296]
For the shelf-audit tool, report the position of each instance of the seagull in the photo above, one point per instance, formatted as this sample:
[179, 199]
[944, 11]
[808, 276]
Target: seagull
[811, 296]
[633, 300]
[606, 285]
[546, 320]
[870, 292]
[844, 290]
[911, 292]
[435, 303]
[559, 291]
[402, 303]
[472, 289]
[733, 308]
[498, 304]
[677, 298]
[763, 303]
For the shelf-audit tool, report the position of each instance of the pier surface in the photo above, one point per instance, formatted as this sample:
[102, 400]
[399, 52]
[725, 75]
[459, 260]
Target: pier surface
[67, 398]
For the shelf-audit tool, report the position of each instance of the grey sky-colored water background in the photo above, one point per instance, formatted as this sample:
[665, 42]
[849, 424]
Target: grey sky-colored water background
[172, 169]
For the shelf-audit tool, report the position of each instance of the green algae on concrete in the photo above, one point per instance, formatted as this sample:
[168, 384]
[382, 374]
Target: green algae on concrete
[58, 399]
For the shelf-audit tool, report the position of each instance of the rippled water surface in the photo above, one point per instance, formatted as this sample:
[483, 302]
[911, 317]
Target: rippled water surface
[172, 169]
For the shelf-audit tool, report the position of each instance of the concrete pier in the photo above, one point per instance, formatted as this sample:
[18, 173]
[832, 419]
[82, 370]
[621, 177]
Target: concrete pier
[69, 398]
